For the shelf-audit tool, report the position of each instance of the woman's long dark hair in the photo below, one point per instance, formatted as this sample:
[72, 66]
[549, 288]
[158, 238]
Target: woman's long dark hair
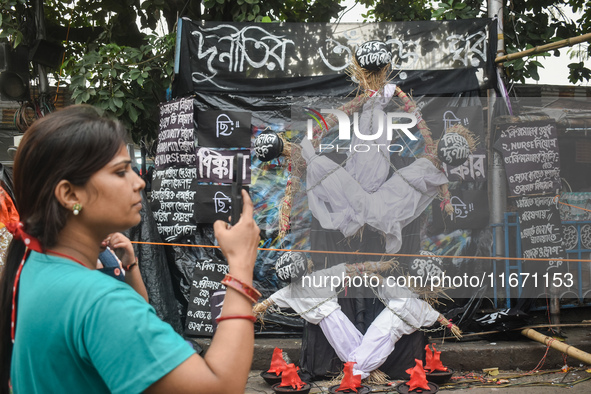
[71, 144]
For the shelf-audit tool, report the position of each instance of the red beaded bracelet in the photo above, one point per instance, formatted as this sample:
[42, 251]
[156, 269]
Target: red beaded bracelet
[246, 290]
[246, 317]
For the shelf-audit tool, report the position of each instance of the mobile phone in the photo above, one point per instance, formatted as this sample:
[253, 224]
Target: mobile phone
[237, 188]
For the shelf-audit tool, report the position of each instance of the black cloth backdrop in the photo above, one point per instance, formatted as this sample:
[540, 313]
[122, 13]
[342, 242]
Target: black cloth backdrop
[157, 268]
[222, 64]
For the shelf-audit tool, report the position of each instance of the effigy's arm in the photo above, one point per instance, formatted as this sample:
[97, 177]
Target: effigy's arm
[331, 120]
[430, 147]
[455, 330]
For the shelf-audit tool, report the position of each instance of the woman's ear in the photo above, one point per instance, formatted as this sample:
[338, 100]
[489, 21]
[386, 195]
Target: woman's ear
[66, 194]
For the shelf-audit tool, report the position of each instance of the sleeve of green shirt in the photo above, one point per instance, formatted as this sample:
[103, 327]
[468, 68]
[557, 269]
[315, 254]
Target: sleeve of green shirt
[128, 344]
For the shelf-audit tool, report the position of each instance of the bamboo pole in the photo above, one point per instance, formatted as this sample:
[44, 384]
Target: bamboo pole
[560, 346]
[482, 333]
[543, 48]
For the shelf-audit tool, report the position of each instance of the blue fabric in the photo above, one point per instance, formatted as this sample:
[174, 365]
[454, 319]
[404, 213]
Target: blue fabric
[111, 265]
[79, 330]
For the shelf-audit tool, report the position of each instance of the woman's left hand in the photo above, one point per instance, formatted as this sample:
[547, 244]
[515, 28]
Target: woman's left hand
[122, 247]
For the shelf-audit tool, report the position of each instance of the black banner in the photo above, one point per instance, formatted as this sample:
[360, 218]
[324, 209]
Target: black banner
[470, 211]
[530, 154]
[213, 202]
[173, 194]
[294, 57]
[472, 170]
[223, 129]
[173, 179]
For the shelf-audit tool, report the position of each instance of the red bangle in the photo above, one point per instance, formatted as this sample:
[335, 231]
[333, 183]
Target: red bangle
[246, 290]
[130, 266]
[246, 317]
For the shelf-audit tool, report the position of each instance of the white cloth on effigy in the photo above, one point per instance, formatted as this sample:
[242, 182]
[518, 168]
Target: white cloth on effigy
[379, 341]
[371, 169]
[316, 302]
[339, 202]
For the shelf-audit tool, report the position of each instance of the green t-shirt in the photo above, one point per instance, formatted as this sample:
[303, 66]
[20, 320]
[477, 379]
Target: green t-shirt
[79, 330]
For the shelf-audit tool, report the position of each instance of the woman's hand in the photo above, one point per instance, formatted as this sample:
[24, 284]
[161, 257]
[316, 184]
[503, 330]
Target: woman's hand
[239, 243]
[122, 247]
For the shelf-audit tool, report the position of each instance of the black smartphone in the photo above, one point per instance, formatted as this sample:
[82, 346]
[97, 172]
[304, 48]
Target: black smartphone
[237, 188]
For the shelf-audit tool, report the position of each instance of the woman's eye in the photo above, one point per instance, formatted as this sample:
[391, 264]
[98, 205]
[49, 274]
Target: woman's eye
[121, 173]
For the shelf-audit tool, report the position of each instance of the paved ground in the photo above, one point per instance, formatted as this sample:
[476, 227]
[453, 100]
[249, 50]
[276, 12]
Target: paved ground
[512, 382]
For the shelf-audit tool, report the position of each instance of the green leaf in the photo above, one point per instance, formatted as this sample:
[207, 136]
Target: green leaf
[135, 74]
[133, 114]
[266, 19]
[18, 39]
[84, 96]
[519, 64]
[117, 102]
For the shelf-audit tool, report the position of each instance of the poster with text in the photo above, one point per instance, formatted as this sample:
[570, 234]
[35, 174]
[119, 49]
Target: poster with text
[470, 211]
[224, 129]
[213, 202]
[176, 140]
[175, 174]
[217, 165]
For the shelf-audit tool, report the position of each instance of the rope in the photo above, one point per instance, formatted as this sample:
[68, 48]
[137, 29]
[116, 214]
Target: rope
[368, 253]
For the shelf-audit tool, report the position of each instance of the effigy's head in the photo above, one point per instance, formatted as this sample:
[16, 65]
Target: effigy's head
[371, 66]
[268, 146]
[456, 145]
[373, 55]
[291, 266]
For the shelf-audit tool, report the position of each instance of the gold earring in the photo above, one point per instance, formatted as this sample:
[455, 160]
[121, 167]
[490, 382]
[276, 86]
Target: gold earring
[76, 209]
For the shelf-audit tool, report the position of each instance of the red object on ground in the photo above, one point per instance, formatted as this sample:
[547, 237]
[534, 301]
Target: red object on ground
[433, 360]
[418, 379]
[350, 381]
[290, 377]
[278, 364]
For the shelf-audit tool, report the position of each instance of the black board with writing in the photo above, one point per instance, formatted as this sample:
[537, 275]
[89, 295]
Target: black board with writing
[540, 230]
[205, 287]
[530, 155]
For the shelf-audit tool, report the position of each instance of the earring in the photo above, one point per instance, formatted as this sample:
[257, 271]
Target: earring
[76, 209]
